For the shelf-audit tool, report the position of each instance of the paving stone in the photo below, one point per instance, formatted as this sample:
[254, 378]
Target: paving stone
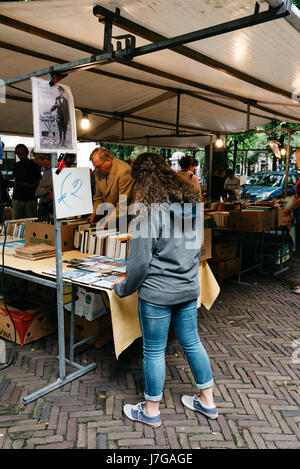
[142, 442]
[63, 445]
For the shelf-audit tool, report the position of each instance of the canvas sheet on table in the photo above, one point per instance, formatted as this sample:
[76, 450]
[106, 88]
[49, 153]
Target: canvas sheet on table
[124, 311]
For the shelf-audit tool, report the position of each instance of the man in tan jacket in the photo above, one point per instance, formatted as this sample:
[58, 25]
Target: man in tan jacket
[112, 179]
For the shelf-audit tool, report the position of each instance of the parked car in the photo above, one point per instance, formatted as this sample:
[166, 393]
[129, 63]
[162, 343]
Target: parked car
[268, 185]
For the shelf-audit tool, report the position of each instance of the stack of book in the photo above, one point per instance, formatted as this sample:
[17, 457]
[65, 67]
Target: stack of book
[91, 240]
[221, 218]
[36, 251]
[15, 228]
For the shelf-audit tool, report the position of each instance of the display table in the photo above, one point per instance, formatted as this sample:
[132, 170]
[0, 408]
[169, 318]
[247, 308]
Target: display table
[124, 311]
[240, 237]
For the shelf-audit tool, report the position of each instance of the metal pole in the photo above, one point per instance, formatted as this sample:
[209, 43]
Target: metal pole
[178, 114]
[288, 150]
[210, 168]
[248, 116]
[59, 288]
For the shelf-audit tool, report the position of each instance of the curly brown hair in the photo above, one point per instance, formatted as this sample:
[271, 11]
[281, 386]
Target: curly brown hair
[156, 182]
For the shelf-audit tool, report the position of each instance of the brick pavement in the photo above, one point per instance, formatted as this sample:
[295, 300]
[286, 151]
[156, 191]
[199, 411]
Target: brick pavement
[249, 335]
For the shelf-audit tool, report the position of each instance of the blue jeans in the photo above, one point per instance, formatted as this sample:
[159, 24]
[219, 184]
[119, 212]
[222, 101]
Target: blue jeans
[155, 322]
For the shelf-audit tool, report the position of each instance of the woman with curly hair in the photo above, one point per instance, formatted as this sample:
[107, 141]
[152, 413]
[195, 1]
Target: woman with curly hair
[163, 265]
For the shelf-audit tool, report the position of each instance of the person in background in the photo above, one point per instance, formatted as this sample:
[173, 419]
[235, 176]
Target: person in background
[217, 185]
[44, 190]
[70, 160]
[5, 199]
[165, 271]
[4, 184]
[26, 175]
[112, 179]
[188, 164]
[294, 209]
[232, 185]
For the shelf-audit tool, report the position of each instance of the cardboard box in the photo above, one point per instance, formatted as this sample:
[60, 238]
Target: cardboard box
[206, 247]
[13, 284]
[48, 293]
[89, 304]
[224, 251]
[280, 219]
[225, 269]
[252, 220]
[84, 329]
[37, 233]
[31, 319]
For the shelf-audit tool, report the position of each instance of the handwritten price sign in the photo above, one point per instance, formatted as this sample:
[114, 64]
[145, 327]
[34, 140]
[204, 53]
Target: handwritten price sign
[72, 192]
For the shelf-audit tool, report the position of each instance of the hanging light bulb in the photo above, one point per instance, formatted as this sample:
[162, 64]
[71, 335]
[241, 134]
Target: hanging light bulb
[219, 142]
[283, 151]
[85, 121]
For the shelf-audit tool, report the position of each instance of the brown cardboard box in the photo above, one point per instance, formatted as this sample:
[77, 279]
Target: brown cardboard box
[84, 328]
[31, 319]
[225, 269]
[224, 251]
[252, 220]
[280, 219]
[206, 247]
[37, 233]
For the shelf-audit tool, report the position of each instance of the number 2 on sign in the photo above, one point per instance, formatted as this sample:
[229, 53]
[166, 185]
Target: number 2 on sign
[77, 184]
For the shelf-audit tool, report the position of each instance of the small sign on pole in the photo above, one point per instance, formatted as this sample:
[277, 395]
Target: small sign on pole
[72, 192]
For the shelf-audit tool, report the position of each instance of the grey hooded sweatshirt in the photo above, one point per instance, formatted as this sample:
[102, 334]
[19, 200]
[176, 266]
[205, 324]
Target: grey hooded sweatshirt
[164, 256]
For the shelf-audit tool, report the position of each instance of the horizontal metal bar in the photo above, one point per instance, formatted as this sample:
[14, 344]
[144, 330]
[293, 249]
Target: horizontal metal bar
[250, 268]
[77, 344]
[76, 365]
[283, 269]
[174, 135]
[122, 115]
[57, 384]
[212, 31]
[152, 36]
[33, 278]
[85, 64]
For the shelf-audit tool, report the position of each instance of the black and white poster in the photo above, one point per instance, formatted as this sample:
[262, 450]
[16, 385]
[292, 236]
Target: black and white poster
[54, 121]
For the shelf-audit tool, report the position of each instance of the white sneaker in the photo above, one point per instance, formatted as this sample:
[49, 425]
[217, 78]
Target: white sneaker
[193, 403]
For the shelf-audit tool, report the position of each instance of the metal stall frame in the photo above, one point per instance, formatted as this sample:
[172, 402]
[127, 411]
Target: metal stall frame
[58, 285]
[63, 378]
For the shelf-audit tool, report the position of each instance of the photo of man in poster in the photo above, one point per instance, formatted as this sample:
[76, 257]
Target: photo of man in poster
[61, 106]
[53, 118]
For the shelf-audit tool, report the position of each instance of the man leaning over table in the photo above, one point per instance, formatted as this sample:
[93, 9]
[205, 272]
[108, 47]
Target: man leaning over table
[112, 180]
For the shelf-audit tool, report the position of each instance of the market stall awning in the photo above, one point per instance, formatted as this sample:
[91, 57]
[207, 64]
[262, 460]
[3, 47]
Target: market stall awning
[169, 98]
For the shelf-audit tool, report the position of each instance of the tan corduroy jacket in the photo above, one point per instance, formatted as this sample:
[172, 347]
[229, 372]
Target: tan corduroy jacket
[118, 183]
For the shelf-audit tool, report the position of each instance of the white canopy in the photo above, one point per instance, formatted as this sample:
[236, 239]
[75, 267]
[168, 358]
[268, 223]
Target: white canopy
[136, 101]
